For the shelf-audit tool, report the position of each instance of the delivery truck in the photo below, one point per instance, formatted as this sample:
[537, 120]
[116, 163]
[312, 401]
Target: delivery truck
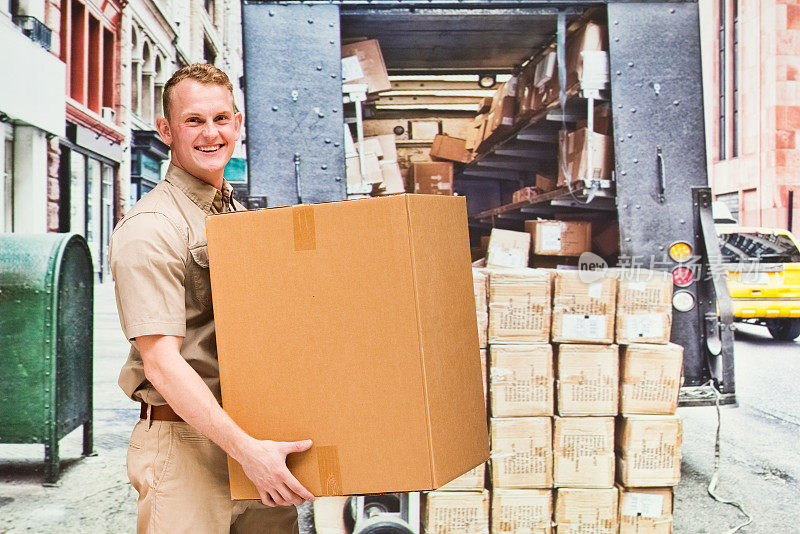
[646, 93]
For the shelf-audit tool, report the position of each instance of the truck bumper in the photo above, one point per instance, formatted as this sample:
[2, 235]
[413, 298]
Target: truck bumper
[764, 308]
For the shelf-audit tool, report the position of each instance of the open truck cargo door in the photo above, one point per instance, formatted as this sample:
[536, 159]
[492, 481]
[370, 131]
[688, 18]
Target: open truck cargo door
[658, 191]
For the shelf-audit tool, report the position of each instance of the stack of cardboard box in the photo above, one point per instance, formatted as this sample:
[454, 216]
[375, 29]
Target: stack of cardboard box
[649, 434]
[583, 387]
[521, 399]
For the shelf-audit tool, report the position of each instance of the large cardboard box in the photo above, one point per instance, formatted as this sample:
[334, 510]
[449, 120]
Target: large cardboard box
[384, 377]
[583, 308]
[649, 450]
[434, 178]
[472, 480]
[522, 452]
[588, 380]
[522, 511]
[521, 380]
[645, 510]
[450, 512]
[644, 306]
[519, 305]
[480, 286]
[583, 452]
[450, 148]
[508, 248]
[560, 238]
[575, 161]
[650, 378]
[362, 62]
[580, 511]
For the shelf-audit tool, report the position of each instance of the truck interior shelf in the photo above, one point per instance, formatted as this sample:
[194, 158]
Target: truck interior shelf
[531, 146]
[595, 195]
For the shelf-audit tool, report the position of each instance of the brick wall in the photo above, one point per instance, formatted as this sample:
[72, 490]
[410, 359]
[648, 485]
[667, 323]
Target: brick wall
[767, 166]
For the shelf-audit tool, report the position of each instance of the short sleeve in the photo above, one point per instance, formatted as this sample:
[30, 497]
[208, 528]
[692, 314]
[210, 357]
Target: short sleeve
[148, 257]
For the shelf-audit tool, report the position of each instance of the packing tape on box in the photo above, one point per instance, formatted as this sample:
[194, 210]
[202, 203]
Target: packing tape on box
[305, 233]
[330, 478]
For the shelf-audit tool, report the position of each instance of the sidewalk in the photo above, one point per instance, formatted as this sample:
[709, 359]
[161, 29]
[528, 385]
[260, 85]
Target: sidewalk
[92, 494]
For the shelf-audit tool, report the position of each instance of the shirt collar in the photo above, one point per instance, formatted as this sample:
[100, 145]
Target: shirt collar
[197, 190]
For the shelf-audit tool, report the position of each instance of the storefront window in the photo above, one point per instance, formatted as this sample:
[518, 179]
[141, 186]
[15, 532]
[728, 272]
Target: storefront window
[93, 209]
[8, 186]
[77, 194]
[108, 210]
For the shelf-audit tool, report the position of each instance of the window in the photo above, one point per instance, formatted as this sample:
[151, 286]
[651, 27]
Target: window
[209, 52]
[88, 50]
[77, 194]
[735, 73]
[76, 64]
[728, 79]
[108, 68]
[136, 64]
[94, 228]
[211, 10]
[8, 184]
[108, 211]
[721, 81]
[147, 84]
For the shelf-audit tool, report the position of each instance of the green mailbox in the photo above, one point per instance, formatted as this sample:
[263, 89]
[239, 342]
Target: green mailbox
[46, 341]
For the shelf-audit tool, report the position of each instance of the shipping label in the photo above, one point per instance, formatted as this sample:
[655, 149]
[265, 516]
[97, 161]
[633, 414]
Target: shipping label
[351, 69]
[642, 504]
[644, 326]
[549, 238]
[578, 326]
[508, 258]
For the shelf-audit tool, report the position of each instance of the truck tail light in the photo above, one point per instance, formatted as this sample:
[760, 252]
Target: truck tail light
[683, 301]
[682, 276]
[680, 251]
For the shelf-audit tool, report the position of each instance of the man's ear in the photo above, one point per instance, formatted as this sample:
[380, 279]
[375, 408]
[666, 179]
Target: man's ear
[162, 125]
[237, 123]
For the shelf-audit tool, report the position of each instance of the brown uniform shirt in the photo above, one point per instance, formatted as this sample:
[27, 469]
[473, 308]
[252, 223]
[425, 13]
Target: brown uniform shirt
[159, 260]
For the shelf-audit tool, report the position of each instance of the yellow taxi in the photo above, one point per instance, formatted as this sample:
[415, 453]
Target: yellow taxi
[763, 276]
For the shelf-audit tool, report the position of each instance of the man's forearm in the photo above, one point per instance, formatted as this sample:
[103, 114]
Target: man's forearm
[187, 394]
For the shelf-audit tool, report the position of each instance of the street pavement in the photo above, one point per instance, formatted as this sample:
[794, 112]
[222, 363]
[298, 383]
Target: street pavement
[760, 450]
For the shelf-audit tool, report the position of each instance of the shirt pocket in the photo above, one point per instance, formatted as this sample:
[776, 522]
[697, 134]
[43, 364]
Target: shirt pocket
[200, 279]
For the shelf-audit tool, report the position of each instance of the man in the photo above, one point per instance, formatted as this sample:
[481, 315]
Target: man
[158, 256]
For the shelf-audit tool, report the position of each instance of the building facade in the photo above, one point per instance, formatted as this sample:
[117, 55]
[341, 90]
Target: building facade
[32, 116]
[751, 74]
[78, 102]
[163, 37]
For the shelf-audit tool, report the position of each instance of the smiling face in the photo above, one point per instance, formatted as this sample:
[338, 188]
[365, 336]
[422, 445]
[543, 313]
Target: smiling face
[202, 129]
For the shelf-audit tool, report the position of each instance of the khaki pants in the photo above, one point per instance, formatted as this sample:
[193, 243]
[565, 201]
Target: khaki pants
[182, 480]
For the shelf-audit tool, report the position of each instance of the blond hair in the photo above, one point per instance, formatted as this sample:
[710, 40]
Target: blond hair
[201, 72]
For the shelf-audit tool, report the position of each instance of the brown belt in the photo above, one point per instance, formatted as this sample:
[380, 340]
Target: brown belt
[160, 413]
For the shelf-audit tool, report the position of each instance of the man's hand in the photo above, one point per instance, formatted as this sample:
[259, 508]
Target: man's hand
[264, 462]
